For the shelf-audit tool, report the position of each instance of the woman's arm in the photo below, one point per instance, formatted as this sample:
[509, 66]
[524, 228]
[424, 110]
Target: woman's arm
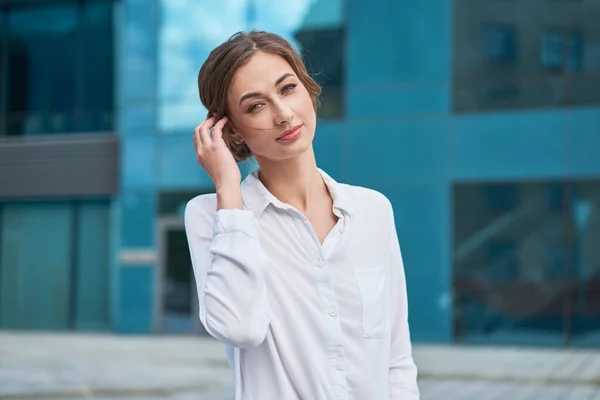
[229, 267]
[403, 371]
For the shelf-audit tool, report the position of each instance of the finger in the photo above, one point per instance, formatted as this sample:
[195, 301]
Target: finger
[205, 131]
[196, 137]
[217, 132]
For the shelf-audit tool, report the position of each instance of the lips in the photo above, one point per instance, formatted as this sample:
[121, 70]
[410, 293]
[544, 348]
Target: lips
[290, 134]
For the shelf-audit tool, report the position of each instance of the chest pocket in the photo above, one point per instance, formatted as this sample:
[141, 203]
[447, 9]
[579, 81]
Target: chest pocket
[374, 286]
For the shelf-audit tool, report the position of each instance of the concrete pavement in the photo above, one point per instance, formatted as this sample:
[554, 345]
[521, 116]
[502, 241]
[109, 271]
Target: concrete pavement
[57, 366]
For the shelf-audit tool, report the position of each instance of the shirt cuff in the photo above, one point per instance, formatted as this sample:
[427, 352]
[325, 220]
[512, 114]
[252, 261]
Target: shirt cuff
[229, 221]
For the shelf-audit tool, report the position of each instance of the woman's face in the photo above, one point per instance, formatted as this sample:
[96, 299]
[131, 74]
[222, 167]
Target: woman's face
[270, 108]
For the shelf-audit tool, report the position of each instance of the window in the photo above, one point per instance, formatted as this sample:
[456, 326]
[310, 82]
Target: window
[506, 57]
[59, 72]
[323, 54]
[501, 196]
[516, 273]
[322, 42]
[500, 44]
[561, 50]
[500, 91]
[501, 260]
[560, 195]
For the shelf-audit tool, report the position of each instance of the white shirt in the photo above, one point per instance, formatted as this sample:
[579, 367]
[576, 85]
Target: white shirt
[303, 320]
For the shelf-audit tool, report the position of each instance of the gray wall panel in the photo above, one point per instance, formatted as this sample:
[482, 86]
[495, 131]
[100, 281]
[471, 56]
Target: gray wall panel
[59, 166]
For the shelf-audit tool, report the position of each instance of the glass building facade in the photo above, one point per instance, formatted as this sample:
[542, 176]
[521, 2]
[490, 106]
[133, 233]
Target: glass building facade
[478, 119]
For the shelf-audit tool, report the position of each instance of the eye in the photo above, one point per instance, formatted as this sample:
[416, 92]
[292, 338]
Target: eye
[254, 107]
[288, 88]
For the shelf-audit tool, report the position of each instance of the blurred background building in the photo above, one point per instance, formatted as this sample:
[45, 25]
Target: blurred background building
[479, 119]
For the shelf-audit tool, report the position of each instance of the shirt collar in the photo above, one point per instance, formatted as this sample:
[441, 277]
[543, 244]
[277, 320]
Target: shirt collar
[256, 197]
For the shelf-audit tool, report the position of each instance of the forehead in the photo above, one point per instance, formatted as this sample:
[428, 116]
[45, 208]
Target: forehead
[261, 71]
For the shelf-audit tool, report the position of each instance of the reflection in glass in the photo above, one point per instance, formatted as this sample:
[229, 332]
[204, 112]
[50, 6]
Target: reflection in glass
[502, 61]
[561, 49]
[525, 269]
[500, 44]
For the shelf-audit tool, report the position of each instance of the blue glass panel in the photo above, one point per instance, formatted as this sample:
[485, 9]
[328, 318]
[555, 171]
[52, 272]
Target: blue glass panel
[35, 286]
[178, 165]
[137, 58]
[136, 291]
[423, 227]
[92, 301]
[138, 213]
[139, 162]
[397, 151]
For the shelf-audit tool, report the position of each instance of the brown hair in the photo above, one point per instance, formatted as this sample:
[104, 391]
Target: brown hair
[217, 72]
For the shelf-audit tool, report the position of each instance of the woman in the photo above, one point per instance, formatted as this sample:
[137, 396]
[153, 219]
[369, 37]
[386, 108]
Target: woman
[300, 276]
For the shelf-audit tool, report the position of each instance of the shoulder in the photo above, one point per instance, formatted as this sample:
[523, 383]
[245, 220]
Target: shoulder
[365, 198]
[369, 205]
[202, 202]
[201, 209]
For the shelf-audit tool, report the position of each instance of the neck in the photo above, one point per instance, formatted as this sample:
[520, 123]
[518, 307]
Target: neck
[295, 181]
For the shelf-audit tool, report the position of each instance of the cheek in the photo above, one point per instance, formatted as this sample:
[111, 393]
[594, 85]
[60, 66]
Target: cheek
[249, 128]
[306, 108]
[257, 138]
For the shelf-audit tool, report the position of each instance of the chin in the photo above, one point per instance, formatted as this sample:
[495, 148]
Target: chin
[295, 151]
[288, 152]
[303, 143]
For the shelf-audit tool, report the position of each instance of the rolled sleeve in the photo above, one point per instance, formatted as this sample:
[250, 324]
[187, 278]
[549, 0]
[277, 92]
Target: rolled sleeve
[230, 221]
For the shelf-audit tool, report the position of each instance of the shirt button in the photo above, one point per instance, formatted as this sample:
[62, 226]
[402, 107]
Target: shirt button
[332, 312]
[339, 366]
[320, 264]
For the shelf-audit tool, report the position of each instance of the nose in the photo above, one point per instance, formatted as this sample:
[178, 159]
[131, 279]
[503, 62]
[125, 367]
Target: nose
[283, 114]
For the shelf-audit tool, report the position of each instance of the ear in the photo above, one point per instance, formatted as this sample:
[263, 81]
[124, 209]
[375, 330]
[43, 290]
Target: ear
[235, 136]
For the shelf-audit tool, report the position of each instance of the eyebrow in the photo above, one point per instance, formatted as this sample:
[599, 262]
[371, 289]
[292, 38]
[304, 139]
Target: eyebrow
[256, 94]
